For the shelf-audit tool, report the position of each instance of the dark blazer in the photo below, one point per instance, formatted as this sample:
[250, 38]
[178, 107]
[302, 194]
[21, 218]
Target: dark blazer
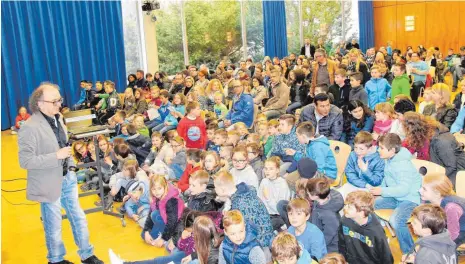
[312, 50]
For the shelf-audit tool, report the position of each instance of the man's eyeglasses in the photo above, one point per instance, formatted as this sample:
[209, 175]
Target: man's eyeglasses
[54, 102]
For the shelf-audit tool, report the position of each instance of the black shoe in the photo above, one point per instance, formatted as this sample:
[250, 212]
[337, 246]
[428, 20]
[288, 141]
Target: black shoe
[92, 260]
[62, 262]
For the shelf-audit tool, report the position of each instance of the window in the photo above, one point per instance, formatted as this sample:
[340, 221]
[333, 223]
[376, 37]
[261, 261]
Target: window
[169, 37]
[132, 36]
[293, 26]
[213, 31]
[254, 28]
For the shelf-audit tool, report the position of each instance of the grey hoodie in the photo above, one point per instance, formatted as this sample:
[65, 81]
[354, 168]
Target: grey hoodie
[358, 93]
[436, 249]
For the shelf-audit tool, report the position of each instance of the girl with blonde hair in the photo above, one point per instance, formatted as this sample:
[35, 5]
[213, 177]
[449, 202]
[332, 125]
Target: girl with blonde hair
[213, 87]
[441, 109]
[355, 64]
[438, 190]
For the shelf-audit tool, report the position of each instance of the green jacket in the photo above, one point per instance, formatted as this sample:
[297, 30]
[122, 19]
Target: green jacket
[400, 85]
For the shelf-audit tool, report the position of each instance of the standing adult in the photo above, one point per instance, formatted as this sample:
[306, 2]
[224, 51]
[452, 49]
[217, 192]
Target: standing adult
[418, 69]
[141, 82]
[45, 154]
[352, 45]
[323, 70]
[307, 49]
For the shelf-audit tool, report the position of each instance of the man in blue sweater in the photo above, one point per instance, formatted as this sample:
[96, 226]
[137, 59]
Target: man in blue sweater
[243, 106]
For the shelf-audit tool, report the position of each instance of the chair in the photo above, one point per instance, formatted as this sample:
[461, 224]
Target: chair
[341, 153]
[425, 167]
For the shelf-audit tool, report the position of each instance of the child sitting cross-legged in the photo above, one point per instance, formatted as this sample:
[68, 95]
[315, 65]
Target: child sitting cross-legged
[241, 243]
[199, 197]
[137, 201]
[273, 189]
[311, 238]
[242, 171]
[325, 210]
[434, 245]
[364, 167]
[285, 249]
[157, 144]
[361, 236]
[316, 148]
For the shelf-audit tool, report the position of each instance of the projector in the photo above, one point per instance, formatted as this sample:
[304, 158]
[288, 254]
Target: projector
[148, 6]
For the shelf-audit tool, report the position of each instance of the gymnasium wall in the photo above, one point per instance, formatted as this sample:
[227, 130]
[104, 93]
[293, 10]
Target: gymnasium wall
[437, 23]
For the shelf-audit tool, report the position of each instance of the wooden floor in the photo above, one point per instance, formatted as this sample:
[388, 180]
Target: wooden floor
[23, 239]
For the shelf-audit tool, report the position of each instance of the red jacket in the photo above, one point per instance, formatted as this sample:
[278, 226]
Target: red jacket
[19, 118]
[183, 183]
[194, 132]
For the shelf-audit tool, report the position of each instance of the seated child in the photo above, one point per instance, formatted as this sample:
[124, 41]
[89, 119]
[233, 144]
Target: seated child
[323, 88]
[427, 100]
[434, 244]
[157, 143]
[399, 188]
[364, 167]
[155, 100]
[140, 145]
[225, 156]
[200, 198]
[162, 167]
[192, 127]
[311, 238]
[242, 171]
[165, 212]
[252, 138]
[325, 210]
[241, 243]
[254, 152]
[193, 158]
[316, 148]
[438, 189]
[211, 163]
[384, 114]
[118, 120]
[137, 201]
[265, 139]
[285, 249]
[333, 258]
[211, 128]
[138, 121]
[20, 119]
[233, 138]
[220, 109]
[357, 91]
[219, 139]
[273, 189]
[176, 111]
[361, 236]
[178, 164]
[166, 145]
[245, 199]
[242, 129]
[111, 101]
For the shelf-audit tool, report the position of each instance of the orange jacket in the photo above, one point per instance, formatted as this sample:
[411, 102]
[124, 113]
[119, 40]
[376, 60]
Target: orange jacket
[331, 70]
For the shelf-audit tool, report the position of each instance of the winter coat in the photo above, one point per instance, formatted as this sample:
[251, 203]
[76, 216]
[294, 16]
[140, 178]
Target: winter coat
[378, 90]
[340, 94]
[245, 199]
[280, 98]
[330, 126]
[319, 150]
[354, 130]
[282, 142]
[373, 175]
[233, 253]
[303, 92]
[326, 217]
[401, 178]
[203, 202]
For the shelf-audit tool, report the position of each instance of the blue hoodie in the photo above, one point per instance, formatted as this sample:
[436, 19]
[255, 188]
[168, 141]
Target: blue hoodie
[173, 120]
[233, 253]
[312, 239]
[82, 96]
[318, 150]
[163, 111]
[373, 175]
[401, 178]
[304, 257]
[459, 122]
[378, 90]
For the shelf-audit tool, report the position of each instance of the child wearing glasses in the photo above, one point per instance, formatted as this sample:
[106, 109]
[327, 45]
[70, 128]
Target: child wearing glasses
[241, 170]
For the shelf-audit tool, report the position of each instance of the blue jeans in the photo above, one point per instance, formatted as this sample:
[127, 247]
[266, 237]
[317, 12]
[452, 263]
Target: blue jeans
[52, 221]
[398, 220]
[158, 225]
[162, 128]
[153, 123]
[176, 256]
[292, 107]
[282, 210]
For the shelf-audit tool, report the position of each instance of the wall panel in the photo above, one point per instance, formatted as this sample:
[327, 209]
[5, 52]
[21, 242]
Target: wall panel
[385, 25]
[410, 38]
[443, 30]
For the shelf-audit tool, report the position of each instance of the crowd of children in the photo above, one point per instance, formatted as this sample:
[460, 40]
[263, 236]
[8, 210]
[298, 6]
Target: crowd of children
[213, 183]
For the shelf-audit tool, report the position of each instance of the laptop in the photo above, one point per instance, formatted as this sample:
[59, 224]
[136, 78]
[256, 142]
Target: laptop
[80, 122]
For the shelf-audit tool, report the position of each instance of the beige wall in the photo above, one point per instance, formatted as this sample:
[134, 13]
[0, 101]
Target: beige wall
[151, 47]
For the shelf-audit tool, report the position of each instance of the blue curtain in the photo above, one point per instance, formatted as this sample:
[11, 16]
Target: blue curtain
[366, 21]
[274, 24]
[62, 42]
